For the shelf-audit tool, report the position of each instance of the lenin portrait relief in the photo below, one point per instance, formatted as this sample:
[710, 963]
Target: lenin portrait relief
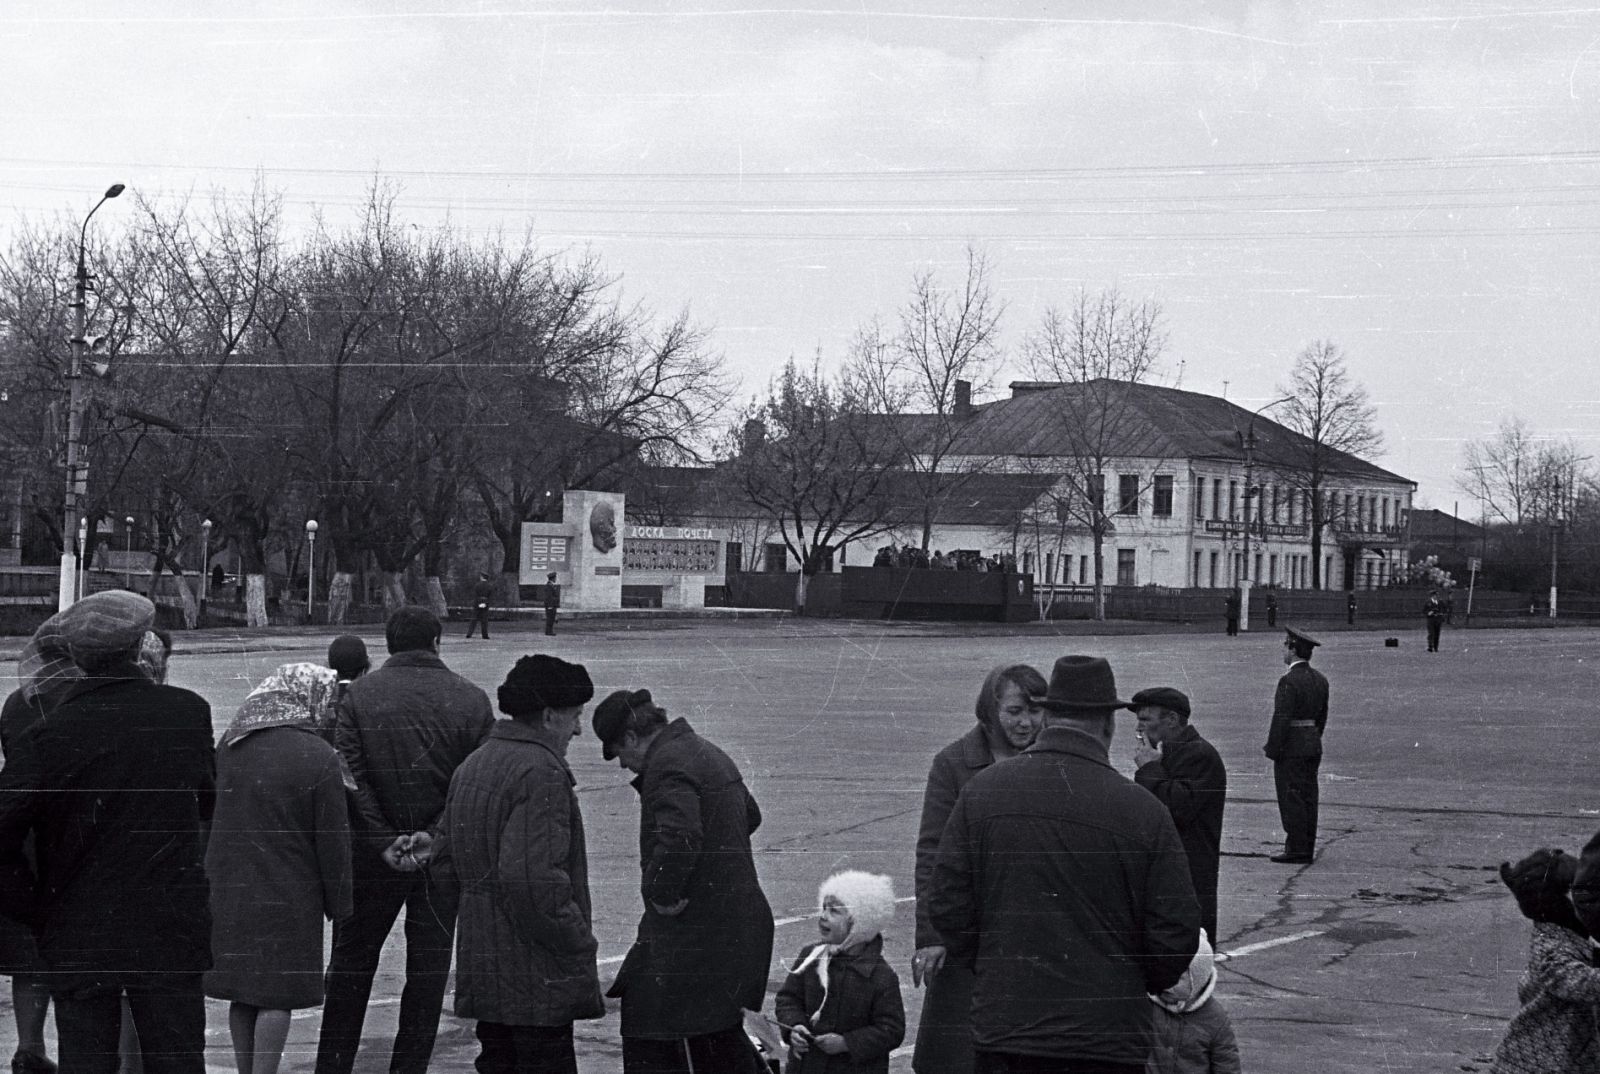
[603, 527]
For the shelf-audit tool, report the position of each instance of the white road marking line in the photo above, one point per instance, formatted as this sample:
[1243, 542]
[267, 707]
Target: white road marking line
[1252, 948]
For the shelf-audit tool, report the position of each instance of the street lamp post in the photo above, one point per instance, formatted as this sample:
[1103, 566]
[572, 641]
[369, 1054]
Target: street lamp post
[127, 553]
[311, 566]
[205, 564]
[67, 591]
[1555, 540]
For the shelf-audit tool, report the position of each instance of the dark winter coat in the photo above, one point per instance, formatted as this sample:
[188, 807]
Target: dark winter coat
[1192, 783]
[116, 785]
[1195, 1042]
[1557, 1025]
[691, 972]
[1299, 713]
[525, 946]
[1586, 887]
[1065, 884]
[863, 1006]
[279, 863]
[403, 730]
[944, 1031]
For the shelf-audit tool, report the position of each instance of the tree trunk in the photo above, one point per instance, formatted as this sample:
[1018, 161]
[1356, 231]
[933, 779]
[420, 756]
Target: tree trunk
[802, 582]
[436, 601]
[339, 598]
[394, 592]
[1099, 577]
[510, 588]
[255, 600]
[188, 600]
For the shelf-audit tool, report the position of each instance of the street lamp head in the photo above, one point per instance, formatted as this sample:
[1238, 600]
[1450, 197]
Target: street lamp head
[129, 520]
[114, 189]
[311, 527]
[206, 524]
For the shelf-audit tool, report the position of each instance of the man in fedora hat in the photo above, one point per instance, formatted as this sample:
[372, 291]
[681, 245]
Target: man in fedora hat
[1064, 885]
[1294, 744]
[1185, 771]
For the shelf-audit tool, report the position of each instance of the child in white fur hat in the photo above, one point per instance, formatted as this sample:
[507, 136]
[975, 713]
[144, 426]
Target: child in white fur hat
[840, 1005]
[1193, 1032]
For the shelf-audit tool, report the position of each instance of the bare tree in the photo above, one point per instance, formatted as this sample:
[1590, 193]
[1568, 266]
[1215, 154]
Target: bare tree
[1335, 420]
[1102, 350]
[806, 458]
[922, 376]
[1517, 476]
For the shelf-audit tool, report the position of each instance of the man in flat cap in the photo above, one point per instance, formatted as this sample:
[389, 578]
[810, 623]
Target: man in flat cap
[1182, 769]
[1064, 886]
[1294, 744]
[114, 786]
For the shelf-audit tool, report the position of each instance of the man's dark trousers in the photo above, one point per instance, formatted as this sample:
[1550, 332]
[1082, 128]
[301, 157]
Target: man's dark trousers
[727, 1051]
[516, 1049]
[171, 1023]
[550, 621]
[1012, 1063]
[1296, 779]
[480, 620]
[430, 909]
[1434, 626]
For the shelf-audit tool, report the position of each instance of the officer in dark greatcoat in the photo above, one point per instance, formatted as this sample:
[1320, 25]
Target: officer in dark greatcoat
[1434, 612]
[1299, 713]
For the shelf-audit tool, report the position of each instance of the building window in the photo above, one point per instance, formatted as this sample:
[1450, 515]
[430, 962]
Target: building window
[1199, 503]
[1383, 511]
[1083, 570]
[1125, 566]
[1274, 504]
[1127, 494]
[1233, 500]
[1027, 562]
[1272, 570]
[1161, 505]
[1216, 497]
[1327, 573]
[1213, 570]
[1197, 582]
[777, 558]
[1097, 491]
[1257, 569]
[1050, 566]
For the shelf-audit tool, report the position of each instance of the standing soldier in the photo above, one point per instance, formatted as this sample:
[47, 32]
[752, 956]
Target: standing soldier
[1272, 608]
[1434, 611]
[1350, 608]
[1231, 609]
[552, 602]
[1299, 713]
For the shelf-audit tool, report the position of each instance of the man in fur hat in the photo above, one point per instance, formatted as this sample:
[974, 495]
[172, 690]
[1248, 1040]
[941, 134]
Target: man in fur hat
[1071, 908]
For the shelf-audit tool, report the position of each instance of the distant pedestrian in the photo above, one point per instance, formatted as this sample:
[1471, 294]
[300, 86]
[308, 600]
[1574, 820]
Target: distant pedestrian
[1272, 608]
[278, 859]
[705, 940]
[1194, 1034]
[1294, 745]
[525, 944]
[402, 730]
[1350, 608]
[840, 1005]
[119, 899]
[1072, 907]
[1008, 719]
[552, 603]
[1560, 991]
[1185, 771]
[482, 593]
[1230, 609]
[1433, 611]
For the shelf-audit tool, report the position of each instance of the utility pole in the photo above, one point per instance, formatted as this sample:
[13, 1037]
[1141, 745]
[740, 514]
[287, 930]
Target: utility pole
[76, 478]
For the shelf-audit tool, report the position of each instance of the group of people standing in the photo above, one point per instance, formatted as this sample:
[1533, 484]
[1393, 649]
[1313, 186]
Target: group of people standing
[1055, 931]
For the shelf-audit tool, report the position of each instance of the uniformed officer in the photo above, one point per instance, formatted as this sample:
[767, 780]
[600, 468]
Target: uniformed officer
[1299, 713]
[1434, 612]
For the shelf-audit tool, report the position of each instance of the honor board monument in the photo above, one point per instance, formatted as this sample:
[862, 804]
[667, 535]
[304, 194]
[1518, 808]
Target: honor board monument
[593, 552]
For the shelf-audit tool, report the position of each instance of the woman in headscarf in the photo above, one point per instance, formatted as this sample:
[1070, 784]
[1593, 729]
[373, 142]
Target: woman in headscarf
[1008, 721]
[45, 672]
[278, 859]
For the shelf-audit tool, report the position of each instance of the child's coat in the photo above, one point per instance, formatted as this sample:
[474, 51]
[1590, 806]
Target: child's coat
[862, 1005]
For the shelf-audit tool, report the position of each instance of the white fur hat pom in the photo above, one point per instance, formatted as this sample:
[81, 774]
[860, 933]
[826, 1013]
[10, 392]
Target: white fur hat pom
[868, 897]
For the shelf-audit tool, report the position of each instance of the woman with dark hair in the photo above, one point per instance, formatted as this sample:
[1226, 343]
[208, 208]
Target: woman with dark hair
[1008, 721]
[525, 945]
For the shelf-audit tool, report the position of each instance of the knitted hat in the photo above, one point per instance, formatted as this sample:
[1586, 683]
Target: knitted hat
[1541, 882]
[1195, 986]
[105, 626]
[868, 898]
[538, 682]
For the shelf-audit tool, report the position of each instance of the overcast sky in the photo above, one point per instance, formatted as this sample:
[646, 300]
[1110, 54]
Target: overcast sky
[1415, 182]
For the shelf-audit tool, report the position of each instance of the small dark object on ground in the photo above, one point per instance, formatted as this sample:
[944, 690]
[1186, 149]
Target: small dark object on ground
[1391, 643]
